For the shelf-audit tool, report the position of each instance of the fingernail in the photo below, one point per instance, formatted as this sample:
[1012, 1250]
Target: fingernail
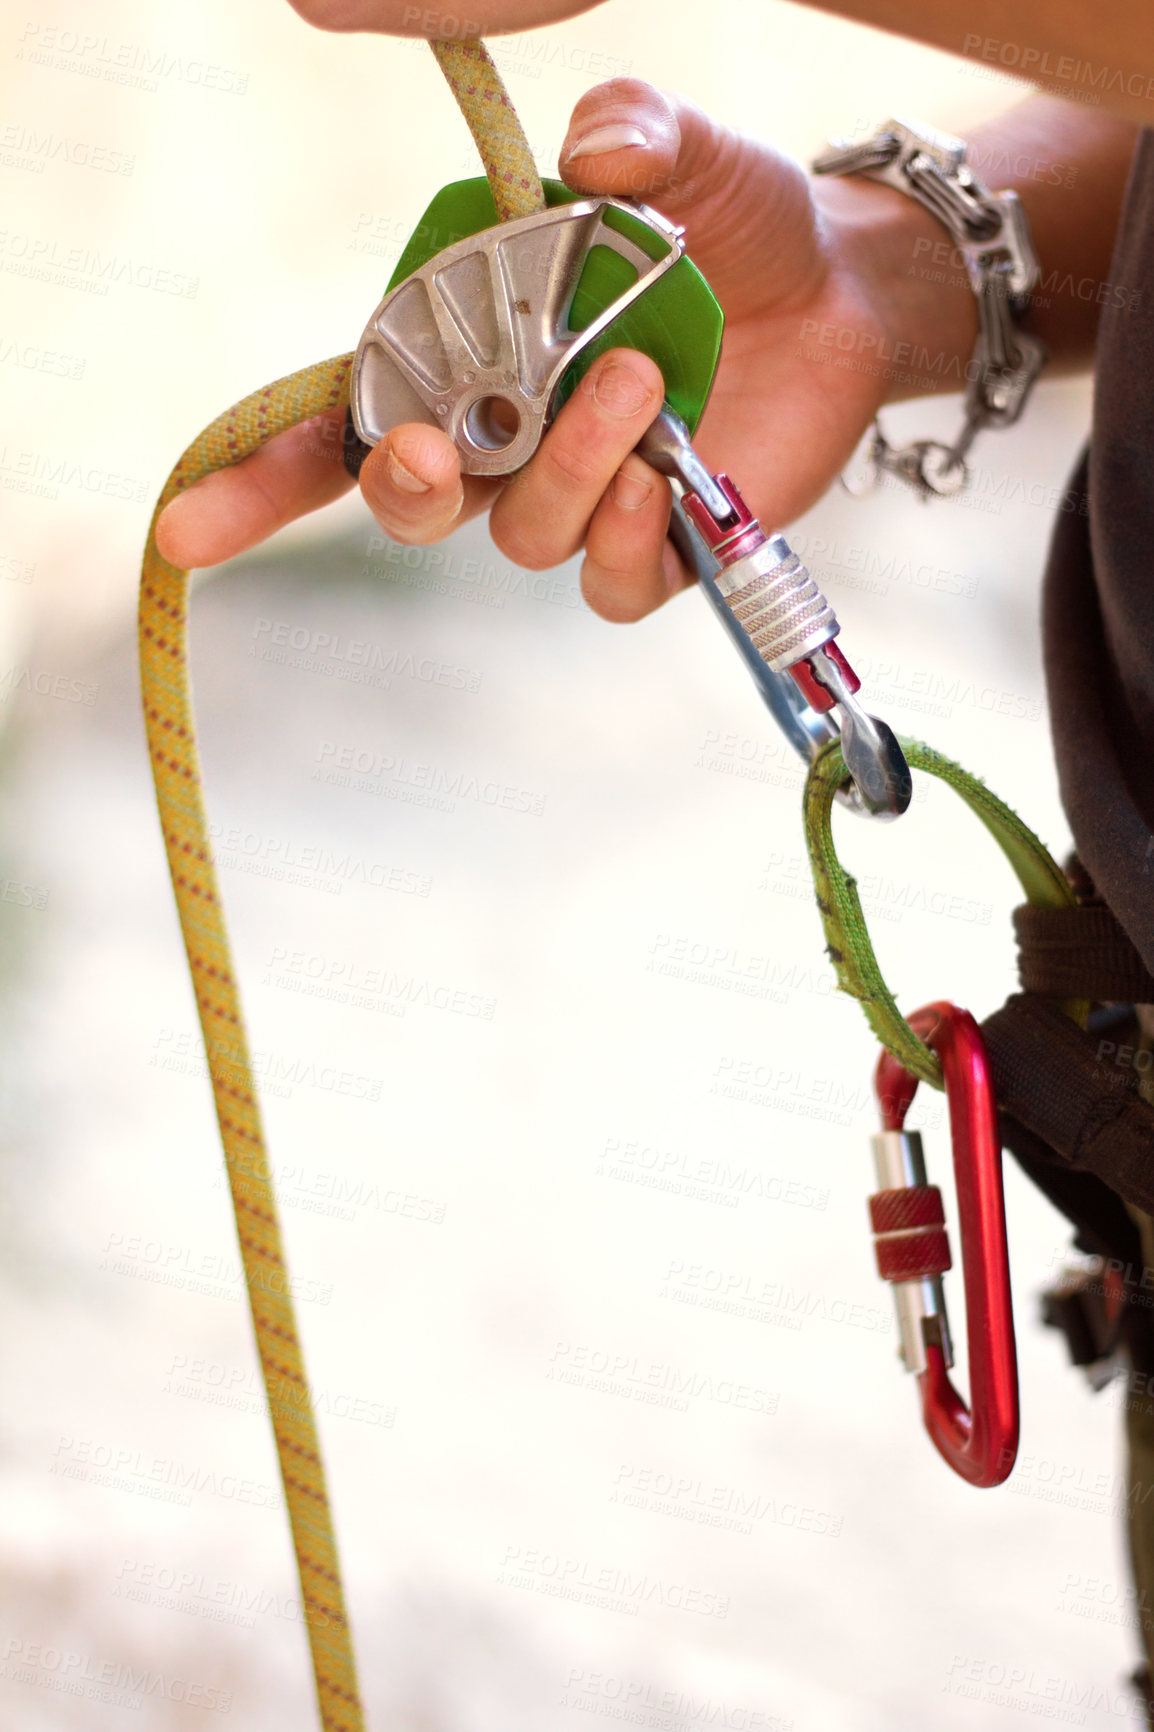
[630, 490]
[617, 389]
[404, 478]
[606, 138]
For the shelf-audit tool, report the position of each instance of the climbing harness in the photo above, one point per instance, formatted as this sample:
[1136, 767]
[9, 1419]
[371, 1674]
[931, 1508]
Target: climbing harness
[486, 336]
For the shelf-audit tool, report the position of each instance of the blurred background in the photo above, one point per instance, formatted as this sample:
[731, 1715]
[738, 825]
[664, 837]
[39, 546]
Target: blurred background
[571, 1129]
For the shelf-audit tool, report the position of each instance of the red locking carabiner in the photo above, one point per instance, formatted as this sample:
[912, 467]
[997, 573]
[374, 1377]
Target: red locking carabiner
[980, 1442]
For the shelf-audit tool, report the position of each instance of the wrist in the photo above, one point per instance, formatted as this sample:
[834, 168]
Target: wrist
[906, 265]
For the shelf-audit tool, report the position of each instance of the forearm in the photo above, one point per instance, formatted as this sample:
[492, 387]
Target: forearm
[1069, 169]
[1100, 53]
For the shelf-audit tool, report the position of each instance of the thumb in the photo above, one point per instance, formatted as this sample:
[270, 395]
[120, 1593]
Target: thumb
[746, 209]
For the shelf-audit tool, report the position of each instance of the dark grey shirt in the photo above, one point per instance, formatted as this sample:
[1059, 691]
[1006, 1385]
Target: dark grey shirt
[1098, 608]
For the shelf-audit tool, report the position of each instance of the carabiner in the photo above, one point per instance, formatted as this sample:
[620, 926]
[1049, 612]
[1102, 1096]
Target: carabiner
[980, 1442]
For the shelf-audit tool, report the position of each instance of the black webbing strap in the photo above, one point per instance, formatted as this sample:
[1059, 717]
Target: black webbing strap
[1104, 1227]
[1064, 1086]
[1080, 953]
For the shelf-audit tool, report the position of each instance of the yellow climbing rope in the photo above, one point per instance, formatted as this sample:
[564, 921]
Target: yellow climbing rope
[492, 120]
[167, 696]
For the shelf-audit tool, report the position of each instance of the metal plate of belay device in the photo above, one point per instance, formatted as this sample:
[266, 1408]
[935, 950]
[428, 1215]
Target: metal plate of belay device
[477, 340]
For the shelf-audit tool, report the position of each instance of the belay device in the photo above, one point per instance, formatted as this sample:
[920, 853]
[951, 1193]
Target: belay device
[485, 337]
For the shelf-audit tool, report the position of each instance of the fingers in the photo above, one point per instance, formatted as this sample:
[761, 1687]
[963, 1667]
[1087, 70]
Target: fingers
[629, 568]
[413, 485]
[541, 517]
[411, 481]
[729, 192]
[297, 472]
[584, 483]
[626, 137]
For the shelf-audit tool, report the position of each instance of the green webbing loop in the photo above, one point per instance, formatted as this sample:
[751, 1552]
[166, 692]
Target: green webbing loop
[847, 937]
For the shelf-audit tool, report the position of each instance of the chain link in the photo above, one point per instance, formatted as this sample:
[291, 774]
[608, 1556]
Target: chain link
[993, 237]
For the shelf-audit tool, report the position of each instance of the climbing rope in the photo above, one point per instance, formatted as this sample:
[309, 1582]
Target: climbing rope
[492, 120]
[167, 697]
[846, 934]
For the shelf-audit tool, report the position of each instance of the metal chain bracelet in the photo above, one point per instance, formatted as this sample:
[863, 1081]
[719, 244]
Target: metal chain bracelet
[991, 233]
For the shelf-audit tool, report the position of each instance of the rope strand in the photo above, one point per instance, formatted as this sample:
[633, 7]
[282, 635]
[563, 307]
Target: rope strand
[484, 102]
[167, 696]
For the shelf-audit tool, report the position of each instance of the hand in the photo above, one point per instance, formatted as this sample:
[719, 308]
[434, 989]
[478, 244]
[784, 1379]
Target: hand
[406, 18]
[815, 296]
